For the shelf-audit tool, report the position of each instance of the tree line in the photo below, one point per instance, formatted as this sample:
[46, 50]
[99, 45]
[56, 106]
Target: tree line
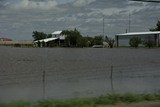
[73, 39]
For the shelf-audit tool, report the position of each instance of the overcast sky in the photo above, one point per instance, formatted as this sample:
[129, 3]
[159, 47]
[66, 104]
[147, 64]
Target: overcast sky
[19, 18]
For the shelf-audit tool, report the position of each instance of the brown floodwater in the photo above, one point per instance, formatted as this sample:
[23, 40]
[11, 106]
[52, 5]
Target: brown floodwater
[76, 72]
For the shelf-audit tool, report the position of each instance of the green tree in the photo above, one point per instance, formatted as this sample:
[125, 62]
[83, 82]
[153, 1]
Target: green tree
[39, 44]
[157, 28]
[72, 37]
[110, 41]
[98, 40]
[43, 44]
[40, 35]
[135, 41]
[49, 35]
[90, 41]
[82, 42]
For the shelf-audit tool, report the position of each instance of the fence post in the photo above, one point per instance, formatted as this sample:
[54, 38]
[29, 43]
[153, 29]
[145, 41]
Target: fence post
[44, 85]
[44, 75]
[111, 78]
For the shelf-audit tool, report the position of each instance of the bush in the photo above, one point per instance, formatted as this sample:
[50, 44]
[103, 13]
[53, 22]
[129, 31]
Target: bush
[17, 45]
[67, 103]
[149, 97]
[108, 100]
[149, 43]
[135, 41]
[88, 102]
[129, 98]
[110, 42]
[18, 104]
[98, 40]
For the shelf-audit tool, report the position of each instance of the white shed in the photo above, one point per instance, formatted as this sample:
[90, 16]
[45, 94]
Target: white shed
[154, 35]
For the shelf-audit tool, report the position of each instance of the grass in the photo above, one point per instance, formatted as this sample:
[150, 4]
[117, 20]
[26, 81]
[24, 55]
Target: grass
[88, 102]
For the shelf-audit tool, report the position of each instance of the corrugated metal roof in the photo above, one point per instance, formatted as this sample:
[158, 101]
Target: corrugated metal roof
[46, 40]
[57, 33]
[139, 33]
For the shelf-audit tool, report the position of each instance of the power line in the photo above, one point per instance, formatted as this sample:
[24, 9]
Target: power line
[153, 1]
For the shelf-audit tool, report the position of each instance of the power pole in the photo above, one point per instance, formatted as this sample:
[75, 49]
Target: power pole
[129, 27]
[103, 28]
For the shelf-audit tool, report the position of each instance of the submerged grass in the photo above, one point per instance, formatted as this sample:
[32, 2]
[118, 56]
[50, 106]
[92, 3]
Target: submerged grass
[110, 99]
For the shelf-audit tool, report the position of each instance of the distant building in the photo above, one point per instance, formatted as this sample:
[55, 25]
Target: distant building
[19, 43]
[56, 39]
[123, 39]
[59, 35]
[5, 39]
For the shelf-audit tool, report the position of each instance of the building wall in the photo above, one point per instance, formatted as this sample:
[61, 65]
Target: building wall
[13, 43]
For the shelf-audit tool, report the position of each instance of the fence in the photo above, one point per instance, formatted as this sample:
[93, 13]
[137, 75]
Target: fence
[113, 79]
[28, 76]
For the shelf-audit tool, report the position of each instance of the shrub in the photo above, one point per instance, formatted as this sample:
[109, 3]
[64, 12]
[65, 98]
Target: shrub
[110, 41]
[129, 98]
[67, 103]
[149, 43]
[17, 45]
[135, 41]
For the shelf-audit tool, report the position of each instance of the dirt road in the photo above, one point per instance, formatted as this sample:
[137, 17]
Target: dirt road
[142, 104]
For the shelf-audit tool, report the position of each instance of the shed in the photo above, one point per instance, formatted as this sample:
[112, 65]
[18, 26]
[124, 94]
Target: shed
[143, 35]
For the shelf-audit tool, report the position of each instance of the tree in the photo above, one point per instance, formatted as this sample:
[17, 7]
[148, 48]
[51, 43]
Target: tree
[98, 40]
[90, 41]
[73, 37]
[43, 44]
[40, 35]
[110, 41]
[82, 42]
[157, 28]
[49, 35]
[135, 41]
[39, 44]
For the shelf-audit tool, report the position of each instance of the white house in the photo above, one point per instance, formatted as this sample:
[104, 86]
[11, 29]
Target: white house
[56, 36]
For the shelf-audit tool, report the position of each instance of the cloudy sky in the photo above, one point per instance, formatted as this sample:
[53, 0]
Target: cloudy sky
[19, 18]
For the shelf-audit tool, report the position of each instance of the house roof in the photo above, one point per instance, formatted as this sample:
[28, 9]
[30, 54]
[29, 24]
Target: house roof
[46, 40]
[139, 33]
[57, 33]
[5, 39]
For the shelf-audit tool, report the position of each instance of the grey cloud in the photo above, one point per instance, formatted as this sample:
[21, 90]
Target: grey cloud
[30, 4]
[19, 18]
[80, 3]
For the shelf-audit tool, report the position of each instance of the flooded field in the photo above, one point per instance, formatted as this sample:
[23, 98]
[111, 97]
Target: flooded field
[76, 72]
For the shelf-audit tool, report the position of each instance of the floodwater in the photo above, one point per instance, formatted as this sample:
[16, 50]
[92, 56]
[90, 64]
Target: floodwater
[76, 72]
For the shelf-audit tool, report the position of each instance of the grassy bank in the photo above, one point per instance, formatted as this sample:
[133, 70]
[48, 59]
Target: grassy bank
[88, 102]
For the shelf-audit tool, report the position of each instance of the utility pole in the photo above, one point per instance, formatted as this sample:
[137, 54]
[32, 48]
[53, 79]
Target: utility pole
[103, 28]
[129, 27]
